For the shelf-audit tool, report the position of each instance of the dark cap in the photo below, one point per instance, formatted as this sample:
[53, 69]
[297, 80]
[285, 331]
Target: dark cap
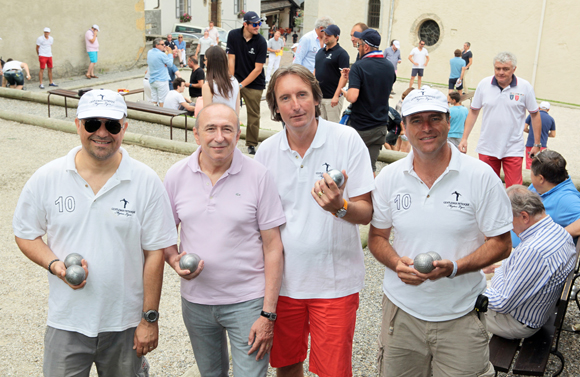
[370, 37]
[332, 30]
[252, 17]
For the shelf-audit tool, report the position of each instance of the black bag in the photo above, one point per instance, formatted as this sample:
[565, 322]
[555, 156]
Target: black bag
[393, 127]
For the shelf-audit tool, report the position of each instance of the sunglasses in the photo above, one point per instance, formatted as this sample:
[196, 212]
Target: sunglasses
[92, 125]
[256, 24]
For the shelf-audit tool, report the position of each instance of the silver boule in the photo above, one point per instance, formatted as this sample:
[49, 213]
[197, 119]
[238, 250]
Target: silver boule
[336, 176]
[73, 259]
[75, 275]
[189, 262]
[423, 263]
[434, 255]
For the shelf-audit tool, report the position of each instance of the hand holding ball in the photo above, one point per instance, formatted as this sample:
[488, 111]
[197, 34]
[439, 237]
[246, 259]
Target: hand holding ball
[189, 262]
[336, 176]
[423, 263]
[75, 275]
[73, 259]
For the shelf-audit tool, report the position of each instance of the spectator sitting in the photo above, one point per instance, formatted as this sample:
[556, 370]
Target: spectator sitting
[561, 199]
[525, 288]
[176, 100]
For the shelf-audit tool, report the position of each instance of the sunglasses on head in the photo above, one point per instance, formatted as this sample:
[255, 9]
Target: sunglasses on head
[113, 126]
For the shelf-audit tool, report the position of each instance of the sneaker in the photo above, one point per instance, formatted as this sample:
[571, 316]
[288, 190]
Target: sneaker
[251, 149]
[52, 84]
[41, 86]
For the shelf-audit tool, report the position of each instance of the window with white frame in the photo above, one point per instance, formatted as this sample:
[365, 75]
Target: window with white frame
[181, 7]
[239, 6]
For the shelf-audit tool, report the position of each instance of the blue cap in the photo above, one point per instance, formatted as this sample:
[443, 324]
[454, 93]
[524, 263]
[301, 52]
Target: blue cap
[370, 37]
[252, 17]
[332, 30]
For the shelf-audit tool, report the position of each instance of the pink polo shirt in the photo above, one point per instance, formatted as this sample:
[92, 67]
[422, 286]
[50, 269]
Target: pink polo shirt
[222, 224]
[91, 46]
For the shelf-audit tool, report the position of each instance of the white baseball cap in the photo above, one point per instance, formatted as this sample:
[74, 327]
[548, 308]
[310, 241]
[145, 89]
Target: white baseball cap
[545, 105]
[397, 44]
[427, 99]
[95, 26]
[47, 30]
[101, 103]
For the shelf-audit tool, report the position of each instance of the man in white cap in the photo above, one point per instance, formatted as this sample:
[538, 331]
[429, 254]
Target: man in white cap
[430, 324]
[92, 44]
[44, 52]
[393, 53]
[113, 210]
[548, 130]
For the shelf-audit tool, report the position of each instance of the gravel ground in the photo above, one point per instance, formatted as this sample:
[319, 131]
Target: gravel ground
[23, 297]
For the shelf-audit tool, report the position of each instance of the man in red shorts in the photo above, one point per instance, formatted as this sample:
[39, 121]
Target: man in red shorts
[44, 52]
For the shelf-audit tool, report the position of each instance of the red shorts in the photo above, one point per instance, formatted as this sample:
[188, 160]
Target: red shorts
[528, 159]
[44, 61]
[512, 168]
[330, 323]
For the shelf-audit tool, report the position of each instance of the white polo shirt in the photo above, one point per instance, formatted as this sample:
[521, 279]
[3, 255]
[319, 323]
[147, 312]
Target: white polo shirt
[173, 100]
[44, 46]
[323, 257]
[466, 204]
[504, 114]
[131, 213]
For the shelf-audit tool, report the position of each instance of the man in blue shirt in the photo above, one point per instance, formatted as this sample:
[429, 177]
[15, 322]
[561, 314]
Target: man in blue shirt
[458, 114]
[311, 42]
[527, 285]
[457, 71]
[159, 58]
[548, 130]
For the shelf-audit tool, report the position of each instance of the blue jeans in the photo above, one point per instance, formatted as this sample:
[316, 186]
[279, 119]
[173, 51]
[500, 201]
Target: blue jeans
[14, 77]
[207, 325]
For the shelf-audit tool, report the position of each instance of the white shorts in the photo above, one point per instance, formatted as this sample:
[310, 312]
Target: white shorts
[159, 90]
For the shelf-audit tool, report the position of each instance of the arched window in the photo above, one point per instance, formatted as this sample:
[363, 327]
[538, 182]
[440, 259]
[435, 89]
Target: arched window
[429, 32]
[374, 18]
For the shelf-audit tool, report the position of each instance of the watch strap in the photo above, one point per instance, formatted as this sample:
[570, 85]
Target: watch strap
[270, 316]
[343, 209]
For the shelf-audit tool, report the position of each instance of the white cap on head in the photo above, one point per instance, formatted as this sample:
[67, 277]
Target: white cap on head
[397, 44]
[95, 26]
[545, 105]
[101, 103]
[47, 30]
[427, 99]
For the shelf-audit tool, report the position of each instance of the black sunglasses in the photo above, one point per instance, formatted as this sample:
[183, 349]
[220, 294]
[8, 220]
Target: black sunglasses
[113, 126]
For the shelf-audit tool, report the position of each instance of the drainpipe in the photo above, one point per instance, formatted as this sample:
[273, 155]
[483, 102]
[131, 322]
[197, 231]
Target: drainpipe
[391, 21]
[538, 45]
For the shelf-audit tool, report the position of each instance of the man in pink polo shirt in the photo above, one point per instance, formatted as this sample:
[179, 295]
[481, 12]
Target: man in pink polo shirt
[230, 213]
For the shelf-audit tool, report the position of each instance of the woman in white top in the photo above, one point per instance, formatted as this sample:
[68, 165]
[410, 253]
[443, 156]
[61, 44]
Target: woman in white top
[220, 86]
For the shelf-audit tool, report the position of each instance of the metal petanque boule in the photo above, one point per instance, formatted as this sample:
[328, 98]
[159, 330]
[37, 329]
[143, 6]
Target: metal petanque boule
[336, 176]
[423, 263]
[189, 262]
[73, 259]
[434, 255]
[75, 275]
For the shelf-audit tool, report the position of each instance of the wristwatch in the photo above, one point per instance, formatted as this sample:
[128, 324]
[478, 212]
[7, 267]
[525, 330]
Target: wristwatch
[342, 212]
[151, 316]
[538, 145]
[241, 86]
[271, 316]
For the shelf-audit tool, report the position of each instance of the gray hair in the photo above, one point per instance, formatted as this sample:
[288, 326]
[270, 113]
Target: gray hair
[524, 200]
[506, 57]
[323, 21]
[213, 105]
[468, 44]
[156, 41]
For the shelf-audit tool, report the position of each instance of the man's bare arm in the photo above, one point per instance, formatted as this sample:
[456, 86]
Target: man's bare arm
[537, 127]
[252, 76]
[469, 123]
[232, 63]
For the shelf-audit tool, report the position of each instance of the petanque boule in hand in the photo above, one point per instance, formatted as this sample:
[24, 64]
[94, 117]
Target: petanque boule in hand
[434, 255]
[189, 262]
[73, 259]
[336, 176]
[75, 275]
[423, 263]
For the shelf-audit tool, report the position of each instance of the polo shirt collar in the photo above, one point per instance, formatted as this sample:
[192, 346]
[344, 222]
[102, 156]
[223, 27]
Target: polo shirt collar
[528, 233]
[512, 84]
[234, 168]
[317, 142]
[454, 162]
[123, 172]
[251, 39]
[332, 48]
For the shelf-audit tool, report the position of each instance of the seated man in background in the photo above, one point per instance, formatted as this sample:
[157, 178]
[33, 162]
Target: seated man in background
[175, 99]
[527, 285]
[561, 199]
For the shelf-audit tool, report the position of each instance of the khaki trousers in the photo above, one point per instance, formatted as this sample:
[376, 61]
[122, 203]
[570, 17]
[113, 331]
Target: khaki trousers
[331, 114]
[506, 326]
[410, 347]
[252, 98]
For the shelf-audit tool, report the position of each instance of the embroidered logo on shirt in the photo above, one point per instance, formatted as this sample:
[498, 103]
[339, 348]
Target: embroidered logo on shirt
[252, 51]
[125, 202]
[516, 96]
[123, 211]
[456, 204]
[329, 56]
[320, 173]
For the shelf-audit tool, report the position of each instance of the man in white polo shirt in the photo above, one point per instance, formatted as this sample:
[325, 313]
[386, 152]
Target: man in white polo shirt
[437, 199]
[98, 202]
[323, 258]
[44, 52]
[233, 223]
[504, 99]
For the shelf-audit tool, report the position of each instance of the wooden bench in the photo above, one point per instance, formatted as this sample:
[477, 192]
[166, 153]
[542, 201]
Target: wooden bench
[533, 352]
[145, 107]
[467, 96]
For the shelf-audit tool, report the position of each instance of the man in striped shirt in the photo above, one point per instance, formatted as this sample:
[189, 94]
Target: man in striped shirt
[527, 285]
